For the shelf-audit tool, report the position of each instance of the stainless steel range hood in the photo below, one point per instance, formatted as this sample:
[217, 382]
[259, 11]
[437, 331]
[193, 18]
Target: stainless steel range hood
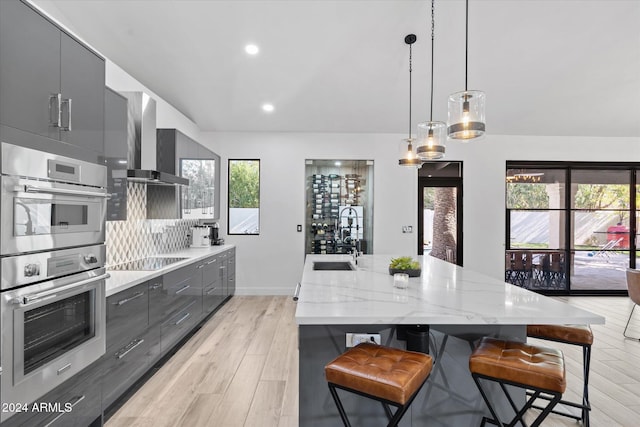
[141, 135]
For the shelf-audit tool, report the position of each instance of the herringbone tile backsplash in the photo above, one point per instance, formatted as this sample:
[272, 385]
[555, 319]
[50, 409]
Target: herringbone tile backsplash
[138, 237]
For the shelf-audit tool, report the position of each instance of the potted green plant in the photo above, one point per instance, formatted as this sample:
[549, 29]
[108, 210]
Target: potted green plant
[405, 264]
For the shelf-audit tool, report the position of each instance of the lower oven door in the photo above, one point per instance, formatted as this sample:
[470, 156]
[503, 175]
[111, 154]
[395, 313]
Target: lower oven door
[50, 333]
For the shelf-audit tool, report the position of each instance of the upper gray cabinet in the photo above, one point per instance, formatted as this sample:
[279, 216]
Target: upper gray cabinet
[51, 84]
[180, 155]
[115, 153]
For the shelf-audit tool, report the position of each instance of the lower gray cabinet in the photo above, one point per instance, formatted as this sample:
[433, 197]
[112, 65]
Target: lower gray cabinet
[75, 403]
[157, 298]
[231, 272]
[128, 353]
[123, 366]
[182, 302]
[212, 292]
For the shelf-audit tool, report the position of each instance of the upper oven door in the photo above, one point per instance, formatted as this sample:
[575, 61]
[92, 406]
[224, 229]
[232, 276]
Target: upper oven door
[45, 215]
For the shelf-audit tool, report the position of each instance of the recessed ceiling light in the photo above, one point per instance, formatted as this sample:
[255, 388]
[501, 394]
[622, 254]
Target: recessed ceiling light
[251, 49]
[268, 107]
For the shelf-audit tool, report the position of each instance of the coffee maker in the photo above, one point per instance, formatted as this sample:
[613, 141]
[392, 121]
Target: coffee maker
[214, 234]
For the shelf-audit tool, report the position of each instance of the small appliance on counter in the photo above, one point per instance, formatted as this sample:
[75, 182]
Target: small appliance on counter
[201, 236]
[214, 237]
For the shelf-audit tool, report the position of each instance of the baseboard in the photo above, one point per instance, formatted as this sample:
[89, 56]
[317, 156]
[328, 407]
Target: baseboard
[266, 290]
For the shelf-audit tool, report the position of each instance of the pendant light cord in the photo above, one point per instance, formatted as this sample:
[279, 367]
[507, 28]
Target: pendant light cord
[410, 70]
[466, 44]
[432, 49]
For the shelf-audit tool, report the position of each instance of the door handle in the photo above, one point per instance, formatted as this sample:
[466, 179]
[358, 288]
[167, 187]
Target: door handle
[129, 348]
[73, 402]
[66, 102]
[182, 289]
[182, 319]
[126, 300]
[30, 299]
[54, 109]
[62, 191]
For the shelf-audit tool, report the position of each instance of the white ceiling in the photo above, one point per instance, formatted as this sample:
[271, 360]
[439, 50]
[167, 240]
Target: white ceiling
[549, 67]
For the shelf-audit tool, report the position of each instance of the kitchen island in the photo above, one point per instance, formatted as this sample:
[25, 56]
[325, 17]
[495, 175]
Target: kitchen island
[456, 304]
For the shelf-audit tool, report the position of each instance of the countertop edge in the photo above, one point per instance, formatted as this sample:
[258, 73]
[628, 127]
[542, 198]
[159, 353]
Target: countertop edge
[123, 280]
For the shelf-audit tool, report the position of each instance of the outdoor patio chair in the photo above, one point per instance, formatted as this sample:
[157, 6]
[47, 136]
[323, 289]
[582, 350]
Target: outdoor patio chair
[522, 268]
[602, 252]
[633, 285]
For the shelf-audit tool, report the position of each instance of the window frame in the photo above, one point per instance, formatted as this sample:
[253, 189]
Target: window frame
[229, 191]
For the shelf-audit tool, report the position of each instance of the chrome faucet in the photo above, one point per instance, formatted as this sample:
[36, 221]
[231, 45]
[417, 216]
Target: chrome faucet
[355, 251]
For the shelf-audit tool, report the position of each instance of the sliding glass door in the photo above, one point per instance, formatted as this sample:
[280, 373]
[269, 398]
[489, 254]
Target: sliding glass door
[571, 227]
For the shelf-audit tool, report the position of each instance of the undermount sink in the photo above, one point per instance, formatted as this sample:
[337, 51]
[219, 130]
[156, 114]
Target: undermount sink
[332, 265]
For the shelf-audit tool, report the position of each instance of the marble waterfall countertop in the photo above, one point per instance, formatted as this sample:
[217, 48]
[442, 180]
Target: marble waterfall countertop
[445, 294]
[122, 280]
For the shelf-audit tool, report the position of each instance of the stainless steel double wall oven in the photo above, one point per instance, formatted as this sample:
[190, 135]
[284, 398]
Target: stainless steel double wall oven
[52, 258]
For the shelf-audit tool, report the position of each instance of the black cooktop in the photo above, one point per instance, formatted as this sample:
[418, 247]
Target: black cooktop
[146, 264]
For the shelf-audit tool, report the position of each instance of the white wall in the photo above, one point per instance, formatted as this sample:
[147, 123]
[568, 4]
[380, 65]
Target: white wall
[271, 263]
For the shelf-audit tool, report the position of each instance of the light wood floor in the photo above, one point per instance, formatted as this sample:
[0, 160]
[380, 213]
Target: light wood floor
[241, 369]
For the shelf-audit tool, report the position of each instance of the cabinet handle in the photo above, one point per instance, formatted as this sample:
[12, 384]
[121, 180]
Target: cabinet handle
[73, 402]
[211, 262]
[54, 109]
[155, 286]
[126, 300]
[182, 319]
[64, 368]
[63, 191]
[183, 289]
[200, 266]
[296, 292]
[66, 102]
[204, 208]
[210, 291]
[129, 348]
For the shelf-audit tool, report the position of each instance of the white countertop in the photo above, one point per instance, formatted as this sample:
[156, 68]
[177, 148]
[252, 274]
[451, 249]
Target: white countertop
[445, 294]
[123, 280]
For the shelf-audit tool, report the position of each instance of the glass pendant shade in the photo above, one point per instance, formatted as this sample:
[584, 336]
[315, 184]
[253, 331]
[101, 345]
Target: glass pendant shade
[407, 153]
[431, 140]
[466, 115]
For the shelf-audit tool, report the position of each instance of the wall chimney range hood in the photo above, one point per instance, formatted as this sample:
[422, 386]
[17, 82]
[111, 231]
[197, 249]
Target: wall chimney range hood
[141, 142]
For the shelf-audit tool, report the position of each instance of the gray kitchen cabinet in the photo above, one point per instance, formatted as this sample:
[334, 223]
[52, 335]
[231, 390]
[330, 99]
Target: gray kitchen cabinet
[127, 324]
[213, 289]
[128, 352]
[182, 304]
[75, 403]
[115, 153]
[51, 84]
[228, 272]
[231, 272]
[180, 155]
[157, 295]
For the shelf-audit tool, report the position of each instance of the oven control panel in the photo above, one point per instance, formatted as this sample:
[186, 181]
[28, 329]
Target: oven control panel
[27, 269]
[31, 270]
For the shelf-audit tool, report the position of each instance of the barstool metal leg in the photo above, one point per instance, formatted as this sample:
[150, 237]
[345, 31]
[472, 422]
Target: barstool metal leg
[586, 357]
[336, 399]
[519, 414]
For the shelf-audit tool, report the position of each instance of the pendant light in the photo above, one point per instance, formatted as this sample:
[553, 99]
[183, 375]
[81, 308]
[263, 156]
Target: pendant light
[407, 151]
[466, 108]
[431, 135]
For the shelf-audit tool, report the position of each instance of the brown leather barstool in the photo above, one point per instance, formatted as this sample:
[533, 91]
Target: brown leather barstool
[521, 365]
[576, 335]
[388, 375]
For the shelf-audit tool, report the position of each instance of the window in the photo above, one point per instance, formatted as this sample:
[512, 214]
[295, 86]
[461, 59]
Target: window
[570, 226]
[244, 197]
